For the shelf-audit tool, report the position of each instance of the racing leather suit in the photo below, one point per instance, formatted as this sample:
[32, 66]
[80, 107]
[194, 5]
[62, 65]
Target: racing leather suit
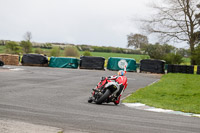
[121, 80]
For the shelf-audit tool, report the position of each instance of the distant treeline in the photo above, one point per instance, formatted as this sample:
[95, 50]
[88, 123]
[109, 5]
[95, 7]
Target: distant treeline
[107, 49]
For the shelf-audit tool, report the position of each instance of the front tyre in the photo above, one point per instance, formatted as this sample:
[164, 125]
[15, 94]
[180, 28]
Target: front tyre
[103, 97]
[90, 100]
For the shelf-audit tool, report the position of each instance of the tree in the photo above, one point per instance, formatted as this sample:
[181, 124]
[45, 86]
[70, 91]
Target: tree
[28, 36]
[183, 52]
[168, 48]
[198, 14]
[175, 21]
[13, 48]
[155, 51]
[55, 51]
[196, 55]
[26, 46]
[71, 51]
[164, 52]
[48, 45]
[137, 40]
[198, 19]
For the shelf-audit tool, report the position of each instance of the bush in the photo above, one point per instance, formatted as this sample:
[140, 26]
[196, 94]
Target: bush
[172, 58]
[55, 51]
[71, 51]
[26, 46]
[39, 51]
[13, 48]
[87, 53]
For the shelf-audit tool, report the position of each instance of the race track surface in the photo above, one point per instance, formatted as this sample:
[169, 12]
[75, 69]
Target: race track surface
[58, 97]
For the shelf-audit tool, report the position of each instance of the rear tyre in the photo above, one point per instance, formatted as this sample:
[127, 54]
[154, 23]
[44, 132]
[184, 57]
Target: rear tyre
[117, 101]
[103, 97]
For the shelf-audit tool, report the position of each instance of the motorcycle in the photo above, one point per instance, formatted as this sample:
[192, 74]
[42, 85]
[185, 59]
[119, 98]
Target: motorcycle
[109, 89]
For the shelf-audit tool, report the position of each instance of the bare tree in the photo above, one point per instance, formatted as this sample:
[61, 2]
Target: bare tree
[198, 14]
[175, 21]
[137, 40]
[28, 36]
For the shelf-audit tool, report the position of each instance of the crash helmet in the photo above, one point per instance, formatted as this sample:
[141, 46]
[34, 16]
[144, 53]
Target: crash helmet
[121, 73]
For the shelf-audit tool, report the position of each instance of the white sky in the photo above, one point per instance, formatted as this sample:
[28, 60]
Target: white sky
[92, 22]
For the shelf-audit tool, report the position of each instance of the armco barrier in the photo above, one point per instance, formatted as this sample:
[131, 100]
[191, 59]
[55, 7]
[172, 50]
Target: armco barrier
[34, 60]
[63, 62]
[180, 69]
[117, 63]
[198, 69]
[153, 66]
[90, 62]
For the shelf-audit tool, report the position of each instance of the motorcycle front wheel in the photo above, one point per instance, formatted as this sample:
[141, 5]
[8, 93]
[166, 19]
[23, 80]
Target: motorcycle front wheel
[90, 100]
[103, 97]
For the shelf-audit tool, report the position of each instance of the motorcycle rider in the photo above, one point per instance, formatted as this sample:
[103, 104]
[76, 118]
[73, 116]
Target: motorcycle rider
[121, 80]
[110, 89]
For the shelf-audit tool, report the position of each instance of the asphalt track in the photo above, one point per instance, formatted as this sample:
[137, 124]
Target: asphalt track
[58, 97]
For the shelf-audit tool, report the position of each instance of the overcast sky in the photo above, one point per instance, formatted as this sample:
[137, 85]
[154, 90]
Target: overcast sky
[92, 22]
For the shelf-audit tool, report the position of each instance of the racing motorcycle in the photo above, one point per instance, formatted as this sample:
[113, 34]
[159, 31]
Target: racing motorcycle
[109, 89]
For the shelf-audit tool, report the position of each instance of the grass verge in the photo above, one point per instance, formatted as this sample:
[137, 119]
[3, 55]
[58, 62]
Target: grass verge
[180, 92]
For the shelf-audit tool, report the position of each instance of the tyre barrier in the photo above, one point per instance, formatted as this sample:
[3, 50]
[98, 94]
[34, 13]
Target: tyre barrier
[180, 69]
[89, 62]
[153, 66]
[198, 69]
[34, 60]
[116, 63]
[1, 63]
[9, 59]
[63, 62]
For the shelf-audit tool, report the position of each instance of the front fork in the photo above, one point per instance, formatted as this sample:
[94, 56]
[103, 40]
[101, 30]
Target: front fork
[96, 94]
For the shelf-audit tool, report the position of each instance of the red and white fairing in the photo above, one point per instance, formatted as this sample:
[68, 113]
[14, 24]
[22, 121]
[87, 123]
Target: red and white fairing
[119, 81]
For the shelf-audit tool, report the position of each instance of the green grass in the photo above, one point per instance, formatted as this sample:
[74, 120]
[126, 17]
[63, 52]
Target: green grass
[180, 92]
[186, 61]
[2, 49]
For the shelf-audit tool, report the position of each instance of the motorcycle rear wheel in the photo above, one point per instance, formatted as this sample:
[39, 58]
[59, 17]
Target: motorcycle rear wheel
[103, 97]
